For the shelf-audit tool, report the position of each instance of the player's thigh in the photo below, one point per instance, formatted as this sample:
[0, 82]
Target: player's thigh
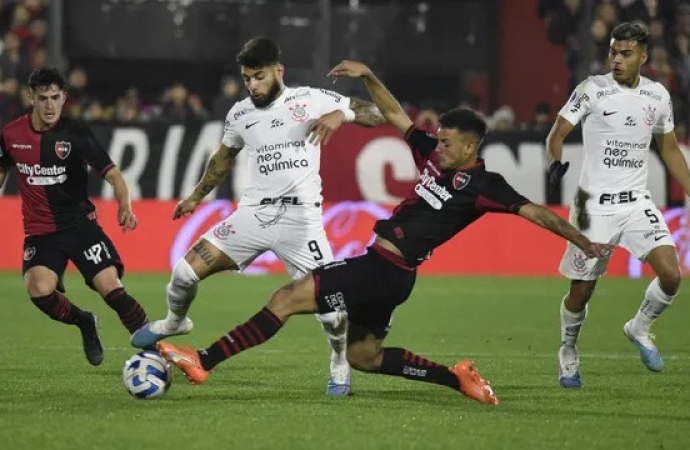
[645, 229]
[43, 264]
[303, 248]
[92, 252]
[574, 264]
[367, 287]
[241, 237]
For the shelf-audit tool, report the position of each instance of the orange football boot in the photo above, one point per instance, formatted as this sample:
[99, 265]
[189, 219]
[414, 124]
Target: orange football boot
[186, 359]
[472, 385]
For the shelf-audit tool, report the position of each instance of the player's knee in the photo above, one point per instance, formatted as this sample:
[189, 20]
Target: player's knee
[669, 279]
[581, 292]
[365, 357]
[183, 276]
[284, 303]
[39, 286]
[106, 281]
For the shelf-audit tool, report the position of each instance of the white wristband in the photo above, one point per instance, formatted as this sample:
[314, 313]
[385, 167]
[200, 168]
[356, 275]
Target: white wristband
[349, 115]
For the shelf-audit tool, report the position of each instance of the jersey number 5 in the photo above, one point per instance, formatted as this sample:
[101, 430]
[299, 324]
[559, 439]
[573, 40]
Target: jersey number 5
[653, 218]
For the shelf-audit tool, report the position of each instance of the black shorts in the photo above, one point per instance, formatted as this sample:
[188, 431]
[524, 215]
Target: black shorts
[368, 287]
[86, 245]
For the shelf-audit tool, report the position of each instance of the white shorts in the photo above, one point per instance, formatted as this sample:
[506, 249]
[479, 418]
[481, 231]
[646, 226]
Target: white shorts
[295, 233]
[638, 230]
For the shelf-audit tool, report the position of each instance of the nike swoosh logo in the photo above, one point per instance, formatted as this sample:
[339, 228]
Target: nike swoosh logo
[249, 125]
[657, 238]
[608, 113]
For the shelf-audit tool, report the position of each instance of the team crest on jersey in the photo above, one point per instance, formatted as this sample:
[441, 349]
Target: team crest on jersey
[579, 263]
[29, 253]
[460, 180]
[222, 231]
[62, 149]
[299, 112]
[649, 115]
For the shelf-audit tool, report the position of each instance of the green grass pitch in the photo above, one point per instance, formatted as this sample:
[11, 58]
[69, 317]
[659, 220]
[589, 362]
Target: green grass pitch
[272, 397]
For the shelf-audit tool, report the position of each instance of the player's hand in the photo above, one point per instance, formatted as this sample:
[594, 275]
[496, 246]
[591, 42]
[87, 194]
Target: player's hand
[597, 250]
[352, 69]
[323, 128]
[126, 219]
[184, 208]
[556, 172]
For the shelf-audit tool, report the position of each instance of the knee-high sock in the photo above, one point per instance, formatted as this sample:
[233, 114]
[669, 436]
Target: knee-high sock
[129, 311]
[181, 291]
[654, 303]
[257, 330]
[334, 324]
[571, 323]
[58, 307]
[400, 362]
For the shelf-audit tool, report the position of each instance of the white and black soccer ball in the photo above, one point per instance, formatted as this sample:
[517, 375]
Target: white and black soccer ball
[147, 375]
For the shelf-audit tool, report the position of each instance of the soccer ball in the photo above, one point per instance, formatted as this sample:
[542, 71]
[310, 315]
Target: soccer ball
[147, 375]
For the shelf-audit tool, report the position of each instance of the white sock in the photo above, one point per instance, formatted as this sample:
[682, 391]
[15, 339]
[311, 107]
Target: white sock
[182, 289]
[571, 322]
[654, 303]
[335, 326]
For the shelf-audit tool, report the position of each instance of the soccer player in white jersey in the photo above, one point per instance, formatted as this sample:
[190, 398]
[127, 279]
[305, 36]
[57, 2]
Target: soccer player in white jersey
[619, 112]
[280, 210]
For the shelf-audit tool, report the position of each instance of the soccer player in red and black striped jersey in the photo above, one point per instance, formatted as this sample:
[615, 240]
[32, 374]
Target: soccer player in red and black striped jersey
[51, 155]
[453, 191]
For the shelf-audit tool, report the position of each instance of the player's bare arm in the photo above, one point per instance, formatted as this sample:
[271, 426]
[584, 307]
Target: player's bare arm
[554, 141]
[219, 164]
[125, 216]
[387, 104]
[554, 146]
[674, 159]
[547, 219]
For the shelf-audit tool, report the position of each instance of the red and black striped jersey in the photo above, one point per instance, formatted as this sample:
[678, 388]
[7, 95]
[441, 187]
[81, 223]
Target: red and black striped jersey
[444, 202]
[52, 168]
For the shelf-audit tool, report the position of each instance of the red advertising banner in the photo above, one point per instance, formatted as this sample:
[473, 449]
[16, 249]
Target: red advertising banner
[497, 244]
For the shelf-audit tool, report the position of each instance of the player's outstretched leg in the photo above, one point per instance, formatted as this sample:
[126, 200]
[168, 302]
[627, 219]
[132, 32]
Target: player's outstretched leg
[399, 362]
[181, 291]
[197, 364]
[59, 308]
[335, 326]
[638, 329]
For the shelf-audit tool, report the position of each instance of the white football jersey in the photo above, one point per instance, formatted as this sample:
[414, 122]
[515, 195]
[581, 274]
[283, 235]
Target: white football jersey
[617, 128]
[281, 161]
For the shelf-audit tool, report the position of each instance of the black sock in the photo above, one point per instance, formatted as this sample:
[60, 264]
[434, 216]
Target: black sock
[257, 330]
[58, 307]
[403, 363]
[131, 313]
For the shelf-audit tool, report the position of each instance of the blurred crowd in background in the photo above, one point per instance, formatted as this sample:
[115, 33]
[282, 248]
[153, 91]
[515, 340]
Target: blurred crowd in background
[583, 34]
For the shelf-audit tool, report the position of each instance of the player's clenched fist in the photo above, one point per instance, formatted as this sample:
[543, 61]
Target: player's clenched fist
[184, 208]
[126, 219]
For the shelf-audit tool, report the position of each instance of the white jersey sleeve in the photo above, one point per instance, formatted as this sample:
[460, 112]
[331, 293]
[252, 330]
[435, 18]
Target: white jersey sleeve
[330, 101]
[231, 134]
[578, 105]
[665, 122]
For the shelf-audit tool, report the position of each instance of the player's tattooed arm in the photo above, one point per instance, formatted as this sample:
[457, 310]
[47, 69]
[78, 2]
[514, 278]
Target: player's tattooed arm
[219, 164]
[549, 220]
[366, 113]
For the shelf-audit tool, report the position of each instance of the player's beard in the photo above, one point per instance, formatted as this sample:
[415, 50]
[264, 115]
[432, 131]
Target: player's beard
[269, 97]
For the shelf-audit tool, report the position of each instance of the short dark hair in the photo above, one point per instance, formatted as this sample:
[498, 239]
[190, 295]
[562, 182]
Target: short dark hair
[463, 119]
[47, 76]
[259, 52]
[632, 31]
